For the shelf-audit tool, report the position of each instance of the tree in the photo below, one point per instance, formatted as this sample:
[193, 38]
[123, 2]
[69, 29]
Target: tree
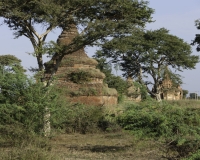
[196, 40]
[150, 52]
[97, 20]
[12, 79]
[185, 92]
[12, 87]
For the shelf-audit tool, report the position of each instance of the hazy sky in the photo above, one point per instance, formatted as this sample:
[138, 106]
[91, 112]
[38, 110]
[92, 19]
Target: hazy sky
[178, 16]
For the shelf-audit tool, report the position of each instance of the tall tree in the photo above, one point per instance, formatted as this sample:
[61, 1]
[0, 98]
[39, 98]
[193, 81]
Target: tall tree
[150, 52]
[12, 79]
[96, 18]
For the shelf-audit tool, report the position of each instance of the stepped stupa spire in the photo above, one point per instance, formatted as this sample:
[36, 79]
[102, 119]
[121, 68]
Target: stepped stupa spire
[66, 38]
[77, 73]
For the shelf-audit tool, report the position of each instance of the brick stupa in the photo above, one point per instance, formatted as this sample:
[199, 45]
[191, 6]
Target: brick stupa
[77, 74]
[170, 92]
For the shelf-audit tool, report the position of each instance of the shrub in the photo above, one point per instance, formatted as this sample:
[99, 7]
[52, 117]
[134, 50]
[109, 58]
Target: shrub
[107, 123]
[77, 118]
[178, 126]
[79, 77]
[195, 156]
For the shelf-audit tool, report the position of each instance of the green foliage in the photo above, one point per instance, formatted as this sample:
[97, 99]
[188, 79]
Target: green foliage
[194, 156]
[176, 126]
[27, 112]
[98, 18]
[77, 118]
[116, 82]
[143, 91]
[23, 106]
[82, 91]
[185, 92]
[111, 80]
[22, 101]
[149, 52]
[79, 77]
[13, 81]
[175, 78]
[108, 122]
[109, 91]
[120, 98]
[103, 65]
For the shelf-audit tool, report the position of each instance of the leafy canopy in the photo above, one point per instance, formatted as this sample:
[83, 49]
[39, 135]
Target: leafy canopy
[148, 53]
[96, 19]
[12, 79]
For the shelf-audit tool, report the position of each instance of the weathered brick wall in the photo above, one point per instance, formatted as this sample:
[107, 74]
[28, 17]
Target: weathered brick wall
[95, 100]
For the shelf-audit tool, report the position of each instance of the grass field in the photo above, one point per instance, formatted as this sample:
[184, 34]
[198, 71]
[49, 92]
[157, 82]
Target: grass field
[119, 146]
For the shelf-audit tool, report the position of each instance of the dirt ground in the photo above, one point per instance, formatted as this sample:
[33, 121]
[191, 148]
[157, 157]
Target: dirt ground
[118, 146]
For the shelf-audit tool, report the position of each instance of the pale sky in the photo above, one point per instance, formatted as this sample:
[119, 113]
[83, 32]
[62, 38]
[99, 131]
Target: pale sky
[178, 16]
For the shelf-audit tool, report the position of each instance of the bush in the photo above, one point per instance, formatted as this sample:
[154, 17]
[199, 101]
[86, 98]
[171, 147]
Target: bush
[108, 122]
[79, 77]
[178, 127]
[195, 156]
[77, 118]
[25, 117]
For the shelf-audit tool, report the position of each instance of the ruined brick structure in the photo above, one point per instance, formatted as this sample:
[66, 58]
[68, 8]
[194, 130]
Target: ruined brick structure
[170, 92]
[77, 74]
[133, 92]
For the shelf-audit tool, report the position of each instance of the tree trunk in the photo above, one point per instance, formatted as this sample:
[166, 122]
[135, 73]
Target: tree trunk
[40, 62]
[47, 125]
[158, 97]
[156, 92]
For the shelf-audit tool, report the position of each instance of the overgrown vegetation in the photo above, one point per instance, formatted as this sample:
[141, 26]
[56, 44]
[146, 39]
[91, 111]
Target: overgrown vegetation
[175, 125]
[79, 77]
[77, 118]
[172, 126]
